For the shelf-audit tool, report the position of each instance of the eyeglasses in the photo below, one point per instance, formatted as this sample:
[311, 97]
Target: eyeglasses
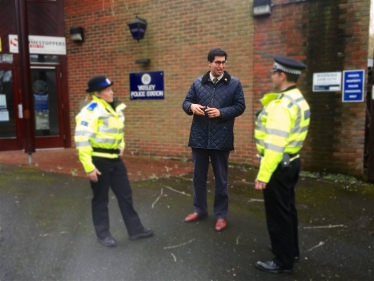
[218, 63]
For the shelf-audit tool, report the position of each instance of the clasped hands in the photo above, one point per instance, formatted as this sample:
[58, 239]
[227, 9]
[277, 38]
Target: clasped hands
[201, 110]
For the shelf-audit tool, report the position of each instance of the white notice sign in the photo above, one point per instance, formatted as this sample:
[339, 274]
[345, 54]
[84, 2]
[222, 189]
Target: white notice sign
[4, 115]
[327, 82]
[48, 45]
[2, 101]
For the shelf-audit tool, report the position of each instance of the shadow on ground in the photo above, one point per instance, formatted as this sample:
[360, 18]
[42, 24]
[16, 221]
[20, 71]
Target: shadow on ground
[46, 231]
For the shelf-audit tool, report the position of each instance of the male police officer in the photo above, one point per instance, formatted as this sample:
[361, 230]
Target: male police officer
[281, 128]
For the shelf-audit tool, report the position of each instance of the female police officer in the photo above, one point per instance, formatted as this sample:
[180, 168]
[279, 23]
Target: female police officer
[99, 139]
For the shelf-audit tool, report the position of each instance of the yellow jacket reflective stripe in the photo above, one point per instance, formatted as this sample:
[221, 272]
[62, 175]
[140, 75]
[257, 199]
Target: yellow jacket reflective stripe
[100, 126]
[281, 127]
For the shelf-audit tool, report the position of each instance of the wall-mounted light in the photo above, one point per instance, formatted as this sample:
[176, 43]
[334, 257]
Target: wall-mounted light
[76, 34]
[143, 61]
[261, 7]
[137, 28]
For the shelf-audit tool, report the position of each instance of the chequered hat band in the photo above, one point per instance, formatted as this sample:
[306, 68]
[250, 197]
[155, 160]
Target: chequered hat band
[286, 69]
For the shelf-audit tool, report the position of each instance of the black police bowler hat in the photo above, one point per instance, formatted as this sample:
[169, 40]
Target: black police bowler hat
[98, 83]
[288, 65]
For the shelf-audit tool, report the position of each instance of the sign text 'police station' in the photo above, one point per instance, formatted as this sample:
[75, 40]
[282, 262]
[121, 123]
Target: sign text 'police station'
[147, 85]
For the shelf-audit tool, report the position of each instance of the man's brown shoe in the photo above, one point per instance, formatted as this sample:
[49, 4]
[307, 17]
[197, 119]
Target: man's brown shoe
[220, 224]
[194, 217]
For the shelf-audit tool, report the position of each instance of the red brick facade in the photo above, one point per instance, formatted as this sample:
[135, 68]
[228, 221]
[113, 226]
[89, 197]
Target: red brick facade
[329, 35]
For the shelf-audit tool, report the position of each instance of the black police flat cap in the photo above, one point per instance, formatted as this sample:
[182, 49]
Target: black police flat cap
[288, 65]
[98, 83]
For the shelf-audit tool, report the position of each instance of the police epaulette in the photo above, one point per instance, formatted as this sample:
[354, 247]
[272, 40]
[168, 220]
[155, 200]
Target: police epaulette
[280, 96]
[92, 106]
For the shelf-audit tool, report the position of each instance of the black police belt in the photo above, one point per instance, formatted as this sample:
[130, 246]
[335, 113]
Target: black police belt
[106, 150]
[286, 159]
[260, 156]
[292, 155]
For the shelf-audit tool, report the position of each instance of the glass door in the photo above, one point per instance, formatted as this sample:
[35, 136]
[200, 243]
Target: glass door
[48, 107]
[9, 126]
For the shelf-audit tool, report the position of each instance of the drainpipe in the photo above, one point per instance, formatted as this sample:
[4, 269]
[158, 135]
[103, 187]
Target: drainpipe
[25, 78]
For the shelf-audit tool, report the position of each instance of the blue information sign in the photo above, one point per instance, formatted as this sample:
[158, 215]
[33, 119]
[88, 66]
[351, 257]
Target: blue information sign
[353, 85]
[41, 103]
[147, 85]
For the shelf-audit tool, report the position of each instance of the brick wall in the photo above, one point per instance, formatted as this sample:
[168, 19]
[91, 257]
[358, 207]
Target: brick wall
[177, 40]
[329, 35]
[338, 134]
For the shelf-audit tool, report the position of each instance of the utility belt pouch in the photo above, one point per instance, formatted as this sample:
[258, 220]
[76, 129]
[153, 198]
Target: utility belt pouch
[285, 163]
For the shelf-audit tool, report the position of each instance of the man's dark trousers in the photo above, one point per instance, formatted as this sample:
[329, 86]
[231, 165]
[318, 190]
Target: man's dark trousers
[219, 159]
[113, 175]
[281, 214]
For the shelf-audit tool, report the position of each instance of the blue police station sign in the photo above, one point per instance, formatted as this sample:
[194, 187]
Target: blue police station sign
[353, 85]
[147, 85]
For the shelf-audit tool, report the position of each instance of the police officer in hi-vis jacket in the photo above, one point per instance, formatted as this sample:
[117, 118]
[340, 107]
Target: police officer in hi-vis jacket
[281, 128]
[99, 139]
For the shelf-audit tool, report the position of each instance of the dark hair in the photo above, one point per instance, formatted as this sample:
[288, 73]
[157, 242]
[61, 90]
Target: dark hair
[292, 77]
[217, 52]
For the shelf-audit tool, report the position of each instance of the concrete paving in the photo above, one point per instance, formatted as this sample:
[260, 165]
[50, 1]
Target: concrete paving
[46, 231]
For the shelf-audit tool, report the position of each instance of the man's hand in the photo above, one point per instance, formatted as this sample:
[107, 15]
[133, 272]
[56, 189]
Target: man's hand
[120, 152]
[93, 175]
[212, 112]
[197, 109]
[259, 185]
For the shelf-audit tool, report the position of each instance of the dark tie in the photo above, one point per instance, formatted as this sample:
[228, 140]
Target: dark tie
[215, 80]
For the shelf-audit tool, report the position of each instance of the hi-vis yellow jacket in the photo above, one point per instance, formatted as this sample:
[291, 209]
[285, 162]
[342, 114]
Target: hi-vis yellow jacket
[281, 127]
[99, 126]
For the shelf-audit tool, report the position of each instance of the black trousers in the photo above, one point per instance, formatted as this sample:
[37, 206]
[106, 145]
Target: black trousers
[219, 159]
[113, 175]
[281, 214]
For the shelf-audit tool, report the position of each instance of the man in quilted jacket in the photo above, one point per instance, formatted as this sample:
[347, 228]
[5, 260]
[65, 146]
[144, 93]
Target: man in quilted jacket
[214, 100]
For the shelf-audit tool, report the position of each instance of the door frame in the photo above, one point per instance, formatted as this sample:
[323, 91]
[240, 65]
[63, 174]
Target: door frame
[42, 142]
[64, 114]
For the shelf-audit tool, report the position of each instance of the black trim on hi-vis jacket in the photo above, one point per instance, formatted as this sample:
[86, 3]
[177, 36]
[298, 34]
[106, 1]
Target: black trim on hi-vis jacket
[106, 150]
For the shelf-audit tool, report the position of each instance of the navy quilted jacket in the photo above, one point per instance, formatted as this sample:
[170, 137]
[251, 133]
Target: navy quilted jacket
[227, 96]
